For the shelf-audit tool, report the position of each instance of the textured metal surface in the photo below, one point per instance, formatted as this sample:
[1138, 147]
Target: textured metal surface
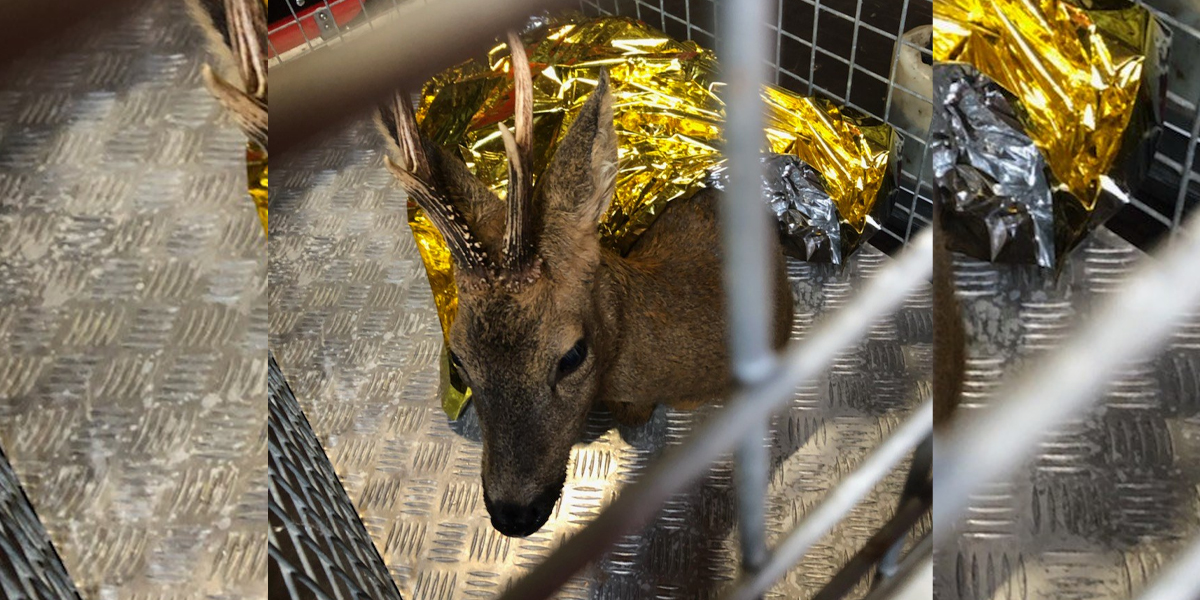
[132, 321]
[317, 541]
[1106, 501]
[353, 326]
[30, 568]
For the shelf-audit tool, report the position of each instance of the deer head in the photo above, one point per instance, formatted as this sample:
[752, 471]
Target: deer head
[527, 337]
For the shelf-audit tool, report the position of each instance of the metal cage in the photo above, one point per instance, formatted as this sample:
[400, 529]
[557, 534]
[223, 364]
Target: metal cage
[817, 50]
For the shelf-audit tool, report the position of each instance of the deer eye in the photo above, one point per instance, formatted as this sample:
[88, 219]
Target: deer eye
[457, 362]
[572, 359]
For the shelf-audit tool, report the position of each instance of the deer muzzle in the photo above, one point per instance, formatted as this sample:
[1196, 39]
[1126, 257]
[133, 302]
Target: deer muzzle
[520, 520]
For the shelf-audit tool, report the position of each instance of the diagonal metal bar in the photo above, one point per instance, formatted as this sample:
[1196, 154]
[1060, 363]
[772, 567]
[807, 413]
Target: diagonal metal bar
[848, 493]
[318, 546]
[985, 445]
[30, 23]
[320, 90]
[887, 541]
[637, 504]
[1181, 581]
[914, 578]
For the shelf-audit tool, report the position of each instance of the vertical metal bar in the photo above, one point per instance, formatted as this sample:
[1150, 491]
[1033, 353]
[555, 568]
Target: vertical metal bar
[887, 105]
[746, 239]
[1185, 171]
[812, 48]
[853, 48]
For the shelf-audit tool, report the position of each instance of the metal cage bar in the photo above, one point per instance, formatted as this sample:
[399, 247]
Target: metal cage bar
[640, 501]
[1066, 383]
[1181, 581]
[739, 421]
[746, 230]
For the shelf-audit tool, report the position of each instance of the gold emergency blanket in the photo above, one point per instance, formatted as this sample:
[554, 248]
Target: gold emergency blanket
[1074, 72]
[668, 119]
[256, 179]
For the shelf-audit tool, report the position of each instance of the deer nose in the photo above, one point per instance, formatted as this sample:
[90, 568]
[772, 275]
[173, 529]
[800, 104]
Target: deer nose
[515, 520]
[520, 520]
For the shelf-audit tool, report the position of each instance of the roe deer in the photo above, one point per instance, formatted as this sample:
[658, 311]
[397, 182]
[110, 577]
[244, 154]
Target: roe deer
[949, 334]
[550, 322]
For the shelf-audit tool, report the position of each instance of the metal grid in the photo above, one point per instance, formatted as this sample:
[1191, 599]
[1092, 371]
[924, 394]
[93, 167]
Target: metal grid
[817, 7]
[1173, 186]
[354, 329]
[851, 62]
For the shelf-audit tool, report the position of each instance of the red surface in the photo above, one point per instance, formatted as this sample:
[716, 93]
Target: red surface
[289, 33]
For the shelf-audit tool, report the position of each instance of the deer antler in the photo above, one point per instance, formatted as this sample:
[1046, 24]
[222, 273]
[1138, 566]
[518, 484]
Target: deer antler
[517, 248]
[243, 23]
[416, 177]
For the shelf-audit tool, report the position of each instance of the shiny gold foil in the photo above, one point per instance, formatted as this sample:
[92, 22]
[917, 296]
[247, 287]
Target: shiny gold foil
[668, 118]
[1074, 72]
[256, 179]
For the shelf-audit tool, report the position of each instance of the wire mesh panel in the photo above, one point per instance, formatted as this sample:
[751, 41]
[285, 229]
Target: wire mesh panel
[1173, 186]
[844, 50]
[853, 61]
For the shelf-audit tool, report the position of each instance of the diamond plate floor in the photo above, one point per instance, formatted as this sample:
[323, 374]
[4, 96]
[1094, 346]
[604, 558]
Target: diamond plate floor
[353, 326]
[132, 322]
[1108, 498]
[318, 543]
[30, 567]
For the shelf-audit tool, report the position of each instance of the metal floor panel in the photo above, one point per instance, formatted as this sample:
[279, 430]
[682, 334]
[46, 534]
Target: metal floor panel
[317, 540]
[1108, 499]
[353, 327]
[132, 321]
[30, 567]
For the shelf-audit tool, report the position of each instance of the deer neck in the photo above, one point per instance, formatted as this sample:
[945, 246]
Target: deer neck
[658, 341]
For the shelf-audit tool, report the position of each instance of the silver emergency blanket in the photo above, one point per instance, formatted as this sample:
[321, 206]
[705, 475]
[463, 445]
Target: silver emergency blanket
[995, 197]
[808, 219]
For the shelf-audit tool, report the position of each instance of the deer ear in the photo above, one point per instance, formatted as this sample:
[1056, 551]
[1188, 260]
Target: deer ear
[577, 187]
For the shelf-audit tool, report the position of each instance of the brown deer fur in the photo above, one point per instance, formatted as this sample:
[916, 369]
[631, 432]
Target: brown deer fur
[949, 337]
[653, 321]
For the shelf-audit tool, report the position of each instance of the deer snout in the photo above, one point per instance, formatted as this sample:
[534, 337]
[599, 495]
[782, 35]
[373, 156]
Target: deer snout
[516, 519]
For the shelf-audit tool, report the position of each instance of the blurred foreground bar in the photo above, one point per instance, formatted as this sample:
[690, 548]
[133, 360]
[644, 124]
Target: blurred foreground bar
[323, 88]
[31, 22]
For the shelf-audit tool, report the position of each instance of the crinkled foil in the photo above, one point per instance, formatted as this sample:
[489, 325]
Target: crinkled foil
[256, 179]
[994, 195]
[668, 119]
[808, 221]
[1086, 86]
